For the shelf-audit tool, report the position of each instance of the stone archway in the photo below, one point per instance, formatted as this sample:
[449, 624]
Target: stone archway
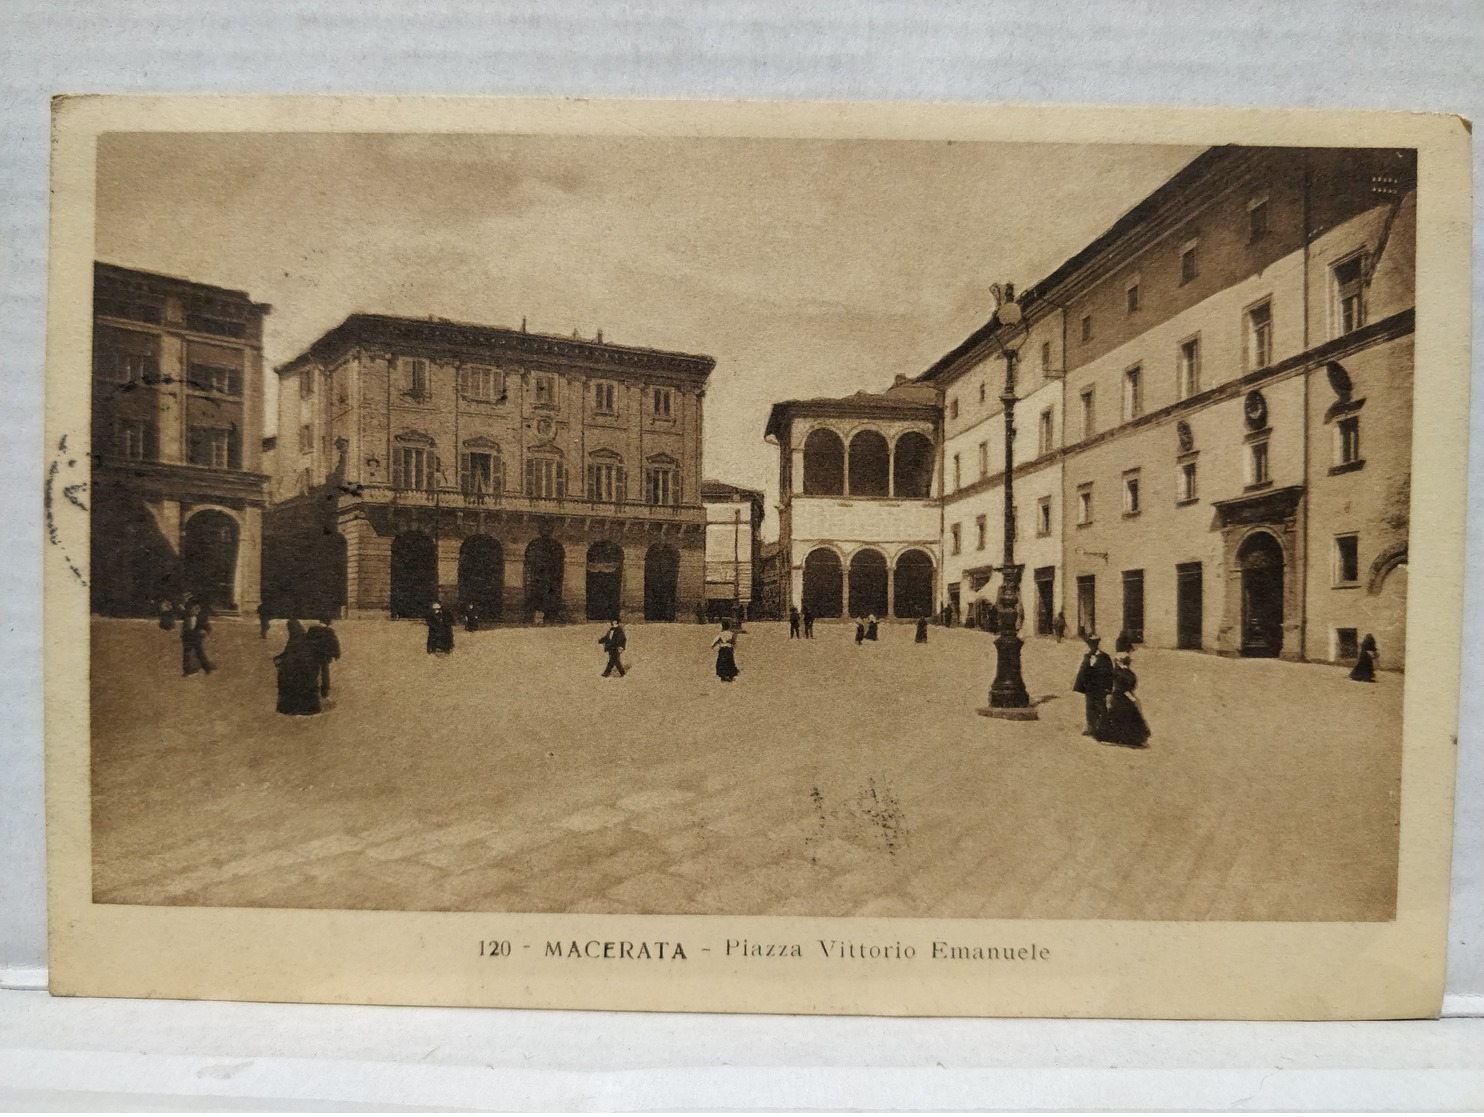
[1260, 559]
[414, 574]
[604, 580]
[868, 583]
[869, 464]
[912, 467]
[544, 563]
[823, 583]
[824, 463]
[208, 557]
[661, 579]
[482, 576]
[912, 585]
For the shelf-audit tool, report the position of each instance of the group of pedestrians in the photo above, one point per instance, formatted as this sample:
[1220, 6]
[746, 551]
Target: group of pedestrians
[800, 624]
[1107, 686]
[304, 666]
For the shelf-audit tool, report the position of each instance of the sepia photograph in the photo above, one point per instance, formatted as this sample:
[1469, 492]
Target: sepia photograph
[667, 524]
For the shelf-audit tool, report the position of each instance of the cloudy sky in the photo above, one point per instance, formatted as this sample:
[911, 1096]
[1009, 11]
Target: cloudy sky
[805, 267]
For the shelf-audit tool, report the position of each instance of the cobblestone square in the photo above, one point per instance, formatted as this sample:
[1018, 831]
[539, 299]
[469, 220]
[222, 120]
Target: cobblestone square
[828, 780]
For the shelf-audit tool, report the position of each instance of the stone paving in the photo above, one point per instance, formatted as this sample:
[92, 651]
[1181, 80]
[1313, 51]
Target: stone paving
[829, 779]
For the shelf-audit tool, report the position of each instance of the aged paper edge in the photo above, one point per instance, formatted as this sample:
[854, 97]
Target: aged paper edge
[1095, 968]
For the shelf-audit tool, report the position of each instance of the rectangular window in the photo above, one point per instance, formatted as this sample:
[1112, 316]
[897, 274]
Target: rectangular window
[1045, 356]
[956, 538]
[981, 526]
[958, 473]
[306, 439]
[213, 447]
[1257, 464]
[412, 468]
[1131, 301]
[129, 368]
[1189, 373]
[983, 394]
[1349, 309]
[606, 482]
[219, 379]
[604, 402]
[1186, 487]
[1084, 505]
[1260, 336]
[1257, 219]
[1189, 263]
[1045, 441]
[662, 403]
[1043, 516]
[545, 390]
[478, 474]
[953, 408]
[306, 384]
[1087, 327]
[661, 486]
[1347, 441]
[1131, 496]
[136, 440]
[1133, 393]
[416, 369]
[1347, 643]
[1347, 560]
[482, 383]
[1089, 413]
[545, 478]
[983, 460]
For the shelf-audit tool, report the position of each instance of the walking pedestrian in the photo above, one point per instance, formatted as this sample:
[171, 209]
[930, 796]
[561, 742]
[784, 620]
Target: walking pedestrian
[471, 617]
[1365, 667]
[264, 616]
[298, 673]
[1094, 681]
[193, 629]
[871, 627]
[1059, 626]
[860, 632]
[325, 647]
[793, 623]
[726, 655]
[440, 630]
[921, 630]
[808, 623]
[1124, 722]
[614, 641]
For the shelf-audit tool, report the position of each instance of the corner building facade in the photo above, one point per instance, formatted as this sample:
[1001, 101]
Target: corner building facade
[519, 474]
[177, 492]
[859, 517]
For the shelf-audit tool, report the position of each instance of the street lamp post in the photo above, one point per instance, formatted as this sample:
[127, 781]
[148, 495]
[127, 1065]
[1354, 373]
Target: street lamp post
[1008, 697]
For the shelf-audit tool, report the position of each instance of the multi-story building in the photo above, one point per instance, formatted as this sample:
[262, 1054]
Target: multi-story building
[972, 379]
[859, 518]
[177, 488]
[1225, 396]
[523, 474]
[734, 524]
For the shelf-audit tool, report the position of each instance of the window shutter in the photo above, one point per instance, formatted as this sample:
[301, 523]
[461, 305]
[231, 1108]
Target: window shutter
[497, 474]
[466, 473]
[561, 478]
[234, 447]
[151, 442]
[621, 485]
[530, 477]
[592, 482]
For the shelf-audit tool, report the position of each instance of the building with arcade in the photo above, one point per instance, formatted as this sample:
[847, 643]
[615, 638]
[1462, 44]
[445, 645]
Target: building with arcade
[177, 490]
[524, 475]
[859, 519]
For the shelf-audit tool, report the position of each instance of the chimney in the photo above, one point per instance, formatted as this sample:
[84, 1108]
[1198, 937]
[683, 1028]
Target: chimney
[600, 337]
[900, 380]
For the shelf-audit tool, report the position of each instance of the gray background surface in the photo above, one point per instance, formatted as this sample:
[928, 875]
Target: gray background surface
[1321, 54]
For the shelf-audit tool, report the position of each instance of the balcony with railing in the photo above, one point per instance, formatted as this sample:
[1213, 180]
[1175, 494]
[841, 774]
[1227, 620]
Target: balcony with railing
[461, 500]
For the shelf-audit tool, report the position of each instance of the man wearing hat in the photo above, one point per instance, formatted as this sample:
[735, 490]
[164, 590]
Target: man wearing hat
[1094, 681]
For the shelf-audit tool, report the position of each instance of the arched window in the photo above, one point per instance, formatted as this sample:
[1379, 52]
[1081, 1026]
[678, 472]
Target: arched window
[607, 481]
[824, 464]
[912, 466]
[870, 464]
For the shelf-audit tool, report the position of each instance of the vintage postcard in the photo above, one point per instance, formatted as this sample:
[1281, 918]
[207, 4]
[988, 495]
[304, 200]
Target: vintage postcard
[936, 560]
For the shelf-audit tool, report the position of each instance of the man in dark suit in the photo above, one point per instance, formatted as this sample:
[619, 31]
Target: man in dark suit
[324, 645]
[793, 623]
[1094, 681]
[614, 641]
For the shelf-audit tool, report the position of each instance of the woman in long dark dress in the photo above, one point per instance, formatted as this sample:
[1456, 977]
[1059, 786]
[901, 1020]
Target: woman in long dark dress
[1124, 723]
[440, 630]
[871, 627]
[726, 656]
[1365, 666]
[860, 631]
[921, 630]
[298, 674]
